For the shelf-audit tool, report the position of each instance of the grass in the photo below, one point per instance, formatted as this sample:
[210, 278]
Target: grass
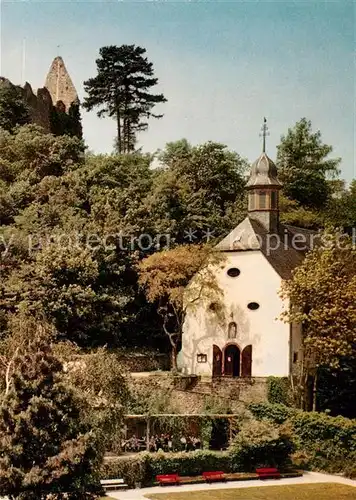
[320, 491]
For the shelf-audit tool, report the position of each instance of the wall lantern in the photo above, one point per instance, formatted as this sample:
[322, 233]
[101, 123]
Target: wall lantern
[202, 358]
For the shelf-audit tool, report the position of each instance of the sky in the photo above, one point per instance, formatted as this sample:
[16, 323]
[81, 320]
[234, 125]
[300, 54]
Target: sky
[222, 65]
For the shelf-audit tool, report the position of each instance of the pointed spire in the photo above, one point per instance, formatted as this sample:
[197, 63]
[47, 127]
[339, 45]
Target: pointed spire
[59, 84]
[264, 134]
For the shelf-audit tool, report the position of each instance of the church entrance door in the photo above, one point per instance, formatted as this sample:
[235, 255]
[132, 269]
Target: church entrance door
[217, 361]
[232, 361]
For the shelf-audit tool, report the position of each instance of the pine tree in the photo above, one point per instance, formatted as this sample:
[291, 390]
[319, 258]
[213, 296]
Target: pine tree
[46, 452]
[122, 90]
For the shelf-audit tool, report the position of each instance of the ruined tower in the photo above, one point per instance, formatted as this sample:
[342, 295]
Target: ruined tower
[60, 85]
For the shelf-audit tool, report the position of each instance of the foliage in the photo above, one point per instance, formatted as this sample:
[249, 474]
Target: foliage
[277, 413]
[99, 380]
[199, 193]
[341, 208]
[165, 275]
[45, 447]
[337, 389]
[132, 469]
[68, 123]
[144, 467]
[95, 216]
[323, 442]
[278, 390]
[122, 90]
[188, 463]
[322, 293]
[67, 259]
[303, 165]
[262, 444]
[13, 109]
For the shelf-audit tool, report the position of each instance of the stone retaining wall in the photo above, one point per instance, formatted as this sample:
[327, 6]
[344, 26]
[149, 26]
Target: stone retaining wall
[190, 394]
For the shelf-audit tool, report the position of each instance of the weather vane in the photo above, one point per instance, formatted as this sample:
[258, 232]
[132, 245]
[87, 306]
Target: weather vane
[264, 134]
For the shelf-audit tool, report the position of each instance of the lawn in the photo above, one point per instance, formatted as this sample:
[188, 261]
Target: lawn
[321, 491]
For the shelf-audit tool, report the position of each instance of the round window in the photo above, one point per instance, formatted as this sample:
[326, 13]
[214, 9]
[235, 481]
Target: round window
[233, 272]
[253, 306]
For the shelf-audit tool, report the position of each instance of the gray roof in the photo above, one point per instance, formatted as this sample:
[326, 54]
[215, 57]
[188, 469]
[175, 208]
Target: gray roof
[250, 235]
[263, 173]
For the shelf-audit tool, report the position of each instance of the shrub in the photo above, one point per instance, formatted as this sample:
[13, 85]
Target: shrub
[188, 464]
[131, 469]
[350, 468]
[323, 442]
[278, 390]
[277, 413]
[313, 426]
[262, 444]
[144, 467]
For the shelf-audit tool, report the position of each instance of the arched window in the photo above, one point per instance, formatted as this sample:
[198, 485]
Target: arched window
[232, 330]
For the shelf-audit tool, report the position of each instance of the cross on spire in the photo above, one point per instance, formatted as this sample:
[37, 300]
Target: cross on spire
[264, 134]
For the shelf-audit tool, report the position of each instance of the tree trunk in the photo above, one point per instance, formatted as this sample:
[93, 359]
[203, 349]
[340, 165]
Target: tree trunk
[174, 357]
[315, 387]
[118, 121]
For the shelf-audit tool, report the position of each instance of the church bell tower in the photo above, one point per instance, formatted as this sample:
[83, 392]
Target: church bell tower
[263, 189]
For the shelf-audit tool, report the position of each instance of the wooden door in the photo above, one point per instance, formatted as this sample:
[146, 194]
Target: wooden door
[232, 361]
[246, 370]
[217, 361]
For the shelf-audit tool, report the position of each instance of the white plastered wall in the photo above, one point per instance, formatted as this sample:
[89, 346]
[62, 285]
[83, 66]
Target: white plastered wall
[268, 335]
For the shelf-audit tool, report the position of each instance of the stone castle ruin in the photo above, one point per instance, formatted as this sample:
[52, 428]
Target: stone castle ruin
[54, 102]
[60, 86]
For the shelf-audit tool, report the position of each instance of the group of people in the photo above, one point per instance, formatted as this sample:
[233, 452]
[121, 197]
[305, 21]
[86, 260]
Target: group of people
[168, 442]
[164, 442]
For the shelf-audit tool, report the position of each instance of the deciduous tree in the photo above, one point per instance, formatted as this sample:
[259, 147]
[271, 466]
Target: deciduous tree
[165, 275]
[304, 165]
[322, 295]
[13, 109]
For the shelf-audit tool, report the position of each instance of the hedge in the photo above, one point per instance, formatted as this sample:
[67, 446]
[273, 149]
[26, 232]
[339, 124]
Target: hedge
[189, 463]
[143, 467]
[323, 442]
[131, 469]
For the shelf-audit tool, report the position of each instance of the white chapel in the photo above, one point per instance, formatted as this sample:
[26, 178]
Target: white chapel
[247, 337]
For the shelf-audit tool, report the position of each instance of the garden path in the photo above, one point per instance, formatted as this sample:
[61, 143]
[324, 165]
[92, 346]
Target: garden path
[308, 477]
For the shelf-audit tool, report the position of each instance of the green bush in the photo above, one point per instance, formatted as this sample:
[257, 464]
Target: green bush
[323, 442]
[350, 468]
[188, 464]
[262, 444]
[131, 469]
[278, 390]
[276, 413]
[144, 467]
[312, 426]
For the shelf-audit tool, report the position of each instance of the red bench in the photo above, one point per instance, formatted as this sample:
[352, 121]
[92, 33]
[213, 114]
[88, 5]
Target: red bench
[214, 476]
[168, 479]
[268, 473]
